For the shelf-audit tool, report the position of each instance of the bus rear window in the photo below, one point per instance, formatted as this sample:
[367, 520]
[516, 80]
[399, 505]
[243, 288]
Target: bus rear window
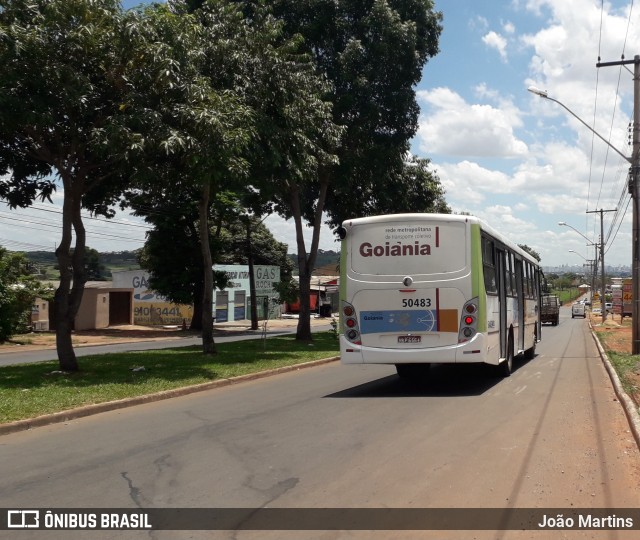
[402, 248]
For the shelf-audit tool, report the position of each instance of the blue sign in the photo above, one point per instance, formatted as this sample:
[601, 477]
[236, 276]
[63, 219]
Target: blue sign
[376, 322]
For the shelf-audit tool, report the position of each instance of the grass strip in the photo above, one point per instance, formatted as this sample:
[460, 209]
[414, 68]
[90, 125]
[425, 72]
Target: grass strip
[30, 390]
[626, 365]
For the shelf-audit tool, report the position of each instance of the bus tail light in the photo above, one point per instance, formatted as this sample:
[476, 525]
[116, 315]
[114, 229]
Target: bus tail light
[350, 323]
[468, 321]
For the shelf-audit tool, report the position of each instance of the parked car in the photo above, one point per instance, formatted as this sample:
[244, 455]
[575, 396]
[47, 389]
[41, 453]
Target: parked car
[578, 310]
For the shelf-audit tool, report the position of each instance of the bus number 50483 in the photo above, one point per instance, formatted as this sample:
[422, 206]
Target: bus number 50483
[416, 302]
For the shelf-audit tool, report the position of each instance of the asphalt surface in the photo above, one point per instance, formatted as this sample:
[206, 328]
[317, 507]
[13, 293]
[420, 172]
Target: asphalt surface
[552, 437]
[235, 332]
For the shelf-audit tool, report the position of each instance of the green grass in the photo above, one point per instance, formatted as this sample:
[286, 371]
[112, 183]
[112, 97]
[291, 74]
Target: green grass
[567, 296]
[30, 390]
[625, 365]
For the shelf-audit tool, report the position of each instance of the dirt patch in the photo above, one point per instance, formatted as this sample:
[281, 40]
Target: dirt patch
[616, 336]
[106, 336]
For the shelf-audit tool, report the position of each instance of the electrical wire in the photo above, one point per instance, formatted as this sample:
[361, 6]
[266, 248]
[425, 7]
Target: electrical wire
[618, 218]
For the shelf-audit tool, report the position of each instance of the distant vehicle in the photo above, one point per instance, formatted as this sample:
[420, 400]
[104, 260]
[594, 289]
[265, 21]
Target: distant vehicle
[578, 310]
[550, 309]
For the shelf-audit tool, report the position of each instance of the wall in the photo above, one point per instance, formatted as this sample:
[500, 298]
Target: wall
[149, 308]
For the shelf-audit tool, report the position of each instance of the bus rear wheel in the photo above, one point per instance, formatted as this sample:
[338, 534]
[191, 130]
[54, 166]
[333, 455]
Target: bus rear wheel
[412, 371]
[506, 367]
[530, 353]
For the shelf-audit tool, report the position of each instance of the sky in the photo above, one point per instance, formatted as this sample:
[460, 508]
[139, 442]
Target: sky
[518, 161]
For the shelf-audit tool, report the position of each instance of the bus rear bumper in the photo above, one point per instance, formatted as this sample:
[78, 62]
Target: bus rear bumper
[471, 352]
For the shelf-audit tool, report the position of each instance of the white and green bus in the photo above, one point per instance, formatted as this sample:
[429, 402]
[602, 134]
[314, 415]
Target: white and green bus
[417, 289]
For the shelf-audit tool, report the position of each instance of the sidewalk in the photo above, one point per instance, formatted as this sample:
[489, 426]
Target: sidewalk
[128, 333]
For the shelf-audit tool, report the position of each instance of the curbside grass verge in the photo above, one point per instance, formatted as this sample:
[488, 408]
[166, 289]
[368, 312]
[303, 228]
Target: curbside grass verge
[89, 410]
[630, 409]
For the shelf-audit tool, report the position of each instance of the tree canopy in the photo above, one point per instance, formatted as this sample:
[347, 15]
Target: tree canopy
[18, 290]
[64, 121]
[372, 54]
[304, 108]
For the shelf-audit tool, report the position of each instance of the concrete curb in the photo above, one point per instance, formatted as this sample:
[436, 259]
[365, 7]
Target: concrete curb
[88, 410]
[628, 405]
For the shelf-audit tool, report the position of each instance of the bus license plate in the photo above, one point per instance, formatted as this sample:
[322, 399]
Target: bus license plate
[409, 339]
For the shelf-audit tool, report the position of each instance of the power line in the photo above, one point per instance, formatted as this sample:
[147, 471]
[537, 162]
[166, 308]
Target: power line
[95, 218]
[89, 232]
[16, 243]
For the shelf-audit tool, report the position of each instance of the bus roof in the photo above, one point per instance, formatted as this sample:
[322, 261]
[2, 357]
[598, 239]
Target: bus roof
[443, 217]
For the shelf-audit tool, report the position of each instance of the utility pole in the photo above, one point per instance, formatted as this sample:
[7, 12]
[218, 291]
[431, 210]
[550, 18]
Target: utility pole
[635, 196]
[602, 286]
[592, 267]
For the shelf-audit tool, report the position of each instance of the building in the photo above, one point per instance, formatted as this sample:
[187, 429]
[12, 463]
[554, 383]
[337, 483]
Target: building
[150, 308]
[232, 304]
[102, 306]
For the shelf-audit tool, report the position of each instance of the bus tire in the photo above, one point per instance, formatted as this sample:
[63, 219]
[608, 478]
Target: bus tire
[530, 353]
[505, 368]
[412, 371]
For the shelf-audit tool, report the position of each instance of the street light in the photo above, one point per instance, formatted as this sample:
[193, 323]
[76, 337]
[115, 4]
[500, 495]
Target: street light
[578, 254]
[543, 94]
[634, 189]
[564, 224]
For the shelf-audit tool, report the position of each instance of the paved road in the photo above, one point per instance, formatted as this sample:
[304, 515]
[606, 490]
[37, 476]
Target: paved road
[26, 357]
[550, 436]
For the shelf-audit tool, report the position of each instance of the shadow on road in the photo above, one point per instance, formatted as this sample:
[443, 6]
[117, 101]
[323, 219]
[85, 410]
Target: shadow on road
[442, 380]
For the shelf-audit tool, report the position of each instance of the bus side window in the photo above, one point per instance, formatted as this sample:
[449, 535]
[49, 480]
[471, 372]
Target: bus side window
[530, 284]
[514, 283]
[489, 266]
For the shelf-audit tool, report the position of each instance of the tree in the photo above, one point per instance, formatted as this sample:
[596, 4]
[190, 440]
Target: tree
[18, 290]
[65, 121]
[94, 269]
[420, 188]
[372, 53]
[172, 250]
[530, 251]
[248, 57]
[202, 124]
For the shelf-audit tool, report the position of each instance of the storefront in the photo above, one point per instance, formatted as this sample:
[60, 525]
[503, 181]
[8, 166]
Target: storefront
[231, 304]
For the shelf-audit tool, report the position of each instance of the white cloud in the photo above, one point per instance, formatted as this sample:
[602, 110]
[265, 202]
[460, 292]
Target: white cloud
[495, 41]
[509, 28]
[453, 127]
[524, 163]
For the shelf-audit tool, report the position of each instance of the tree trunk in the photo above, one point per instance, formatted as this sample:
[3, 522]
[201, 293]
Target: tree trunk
[196, 319]
[252, 280]
[307, 263]
[68, 297]
[303, 331]
[208, 344]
